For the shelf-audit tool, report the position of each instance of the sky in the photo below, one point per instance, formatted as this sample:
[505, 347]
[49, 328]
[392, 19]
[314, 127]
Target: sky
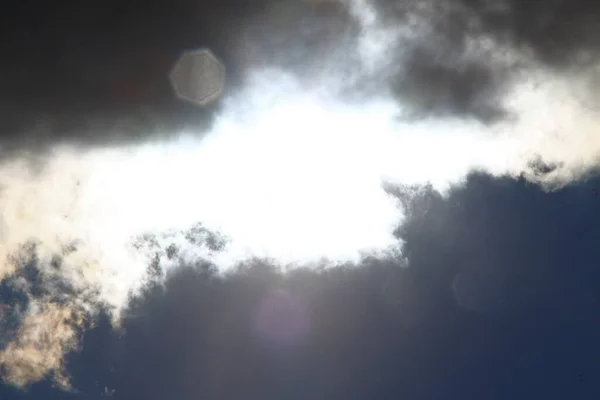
[387, 199]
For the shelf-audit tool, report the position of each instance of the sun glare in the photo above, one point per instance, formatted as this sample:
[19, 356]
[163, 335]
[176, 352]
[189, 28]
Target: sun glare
[293, 176]
[297, 182]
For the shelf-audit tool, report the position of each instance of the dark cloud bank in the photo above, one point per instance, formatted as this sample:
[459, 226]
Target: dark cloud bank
[97, 74]
[497, 298]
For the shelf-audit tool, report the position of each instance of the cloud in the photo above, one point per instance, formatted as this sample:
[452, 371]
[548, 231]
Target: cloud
[390, 327]
[291, 166]
[560, 32]
[56, 279]
[46, 334]
[113, 88]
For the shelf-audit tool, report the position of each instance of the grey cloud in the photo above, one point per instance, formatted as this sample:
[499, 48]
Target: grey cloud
[68, 83]
[388, 328]
[561, 33]
[431, 85]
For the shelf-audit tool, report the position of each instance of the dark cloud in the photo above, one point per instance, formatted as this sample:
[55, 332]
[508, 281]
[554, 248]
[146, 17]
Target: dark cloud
[522, 318]
[560, 32]
[68, 77]
[431, 85]
[98, 73]
[454, 72]
[300, 36]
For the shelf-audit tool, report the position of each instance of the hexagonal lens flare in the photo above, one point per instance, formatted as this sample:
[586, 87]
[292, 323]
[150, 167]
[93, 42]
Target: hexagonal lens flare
[198, 77]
